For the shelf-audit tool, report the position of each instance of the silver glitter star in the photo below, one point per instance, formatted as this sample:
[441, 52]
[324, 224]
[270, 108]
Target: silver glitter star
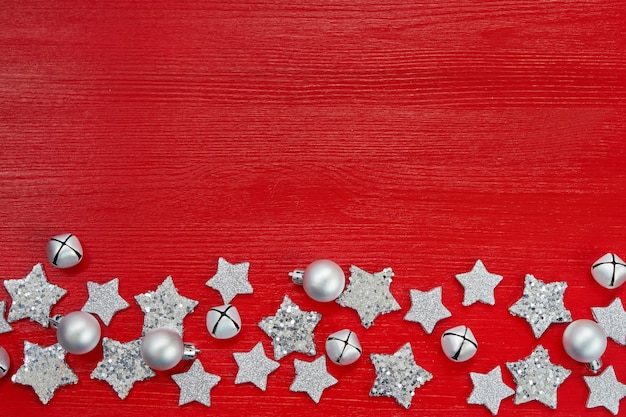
[312, 378]
[104, 300]
[291, 329]
[489, 389]
[537, 378]
[605, 390]
[122, 365]
[541, 304]
[45, 370]
[479, 284]
[230, 279]
[165, 308]
[195, 384]
[398, 375]
[4, 325]
[612, 319]
[427, 308]
[369, 294]
[254, 366]
[33, 296]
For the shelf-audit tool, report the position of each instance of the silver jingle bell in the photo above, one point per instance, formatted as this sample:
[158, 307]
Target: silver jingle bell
[459, 343]
[323, 280]
[343, 347]
[163, 349]
[64, 251]
[5, 362]
[223, 322]
[585, 341]
[609, 271]
[78, 332]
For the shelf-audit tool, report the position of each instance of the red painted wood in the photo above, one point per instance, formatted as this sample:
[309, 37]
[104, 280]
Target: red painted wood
[420, 136]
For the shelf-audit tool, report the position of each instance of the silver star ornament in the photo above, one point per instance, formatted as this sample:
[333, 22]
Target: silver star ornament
[489, 390]
[165, 308]
[479, 284]
[369, 294]
[122, 365]
[33, 296]
[291, 329]
[4, 325]
[312, 378]
[612, 319]
[195, 384]
[230, 279]
[427, 309]
[541, 304]
[45, 370]
[104, 300]
[254, 366]
[398, 375]
[605, 390]
[537, 378]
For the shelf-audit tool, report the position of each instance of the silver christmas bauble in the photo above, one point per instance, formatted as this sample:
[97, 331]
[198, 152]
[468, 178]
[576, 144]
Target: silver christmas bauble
[162, 349]
[223, 322]
[5, 362]
[78, 332]
[64, 251]
[609, 271]
[584, 340]
[343, 347]
[459, 343]
[323, 280]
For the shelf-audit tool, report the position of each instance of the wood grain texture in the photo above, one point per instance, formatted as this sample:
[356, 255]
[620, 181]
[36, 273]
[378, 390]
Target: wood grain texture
[416, 135]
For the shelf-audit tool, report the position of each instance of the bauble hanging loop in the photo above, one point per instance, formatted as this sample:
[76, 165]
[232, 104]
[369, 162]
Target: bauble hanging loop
[163, 349]
[585, 341]
[323, 280]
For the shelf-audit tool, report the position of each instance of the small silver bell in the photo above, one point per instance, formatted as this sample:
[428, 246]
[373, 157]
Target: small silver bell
[223, 322]
[5, 362]
[343, 347]
[609, 271]
[64, 251]
[163, 349]
[323, 280]
[459, 343]
[585, 341]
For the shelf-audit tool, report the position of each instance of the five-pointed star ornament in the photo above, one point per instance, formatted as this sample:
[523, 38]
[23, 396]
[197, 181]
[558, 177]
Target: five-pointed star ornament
[165, 308]
[479, 284]
[195, 384]
[605, 390]
[45, 370]
[230, 279]
[541, 304]
[398, 375]
[312, 378]
[427, 308]
[489, 389]
[104, 300]
[537, 378]
[291, 329]
[122, 365]
[33, 296]
[612, 319]
[4, 325]
[369, 294]
[254, 366]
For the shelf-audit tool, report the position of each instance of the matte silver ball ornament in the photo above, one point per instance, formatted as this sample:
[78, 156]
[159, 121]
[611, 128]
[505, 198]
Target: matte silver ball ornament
[343, 347]
[162, 349]
[78, 332]
[609, 271]
[5, 362]
[459, 343]
[223, 322]
[323, 280]
[64, 251]
[585, 341]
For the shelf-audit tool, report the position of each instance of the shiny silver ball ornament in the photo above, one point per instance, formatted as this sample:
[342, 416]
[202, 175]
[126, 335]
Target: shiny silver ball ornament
[343, 347]
[162, 349]
[64, 251]
[585, 341]
[459, 343]
[609, 271]
[78, 332]
[323, 280]
[5, 362]
[223, 322]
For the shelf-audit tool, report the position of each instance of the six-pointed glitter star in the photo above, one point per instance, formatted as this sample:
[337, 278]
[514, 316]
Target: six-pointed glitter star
[45, 370]
[4, 325]
[291, 329]
[537, 378]
[122, 365]
[541, 304]
[369, 294]
[33, 296]
[605, 390]
[427, 308]
[398, 375]
[230, 279]
[612, 319]
[104, 300]
[195, 384]
[479, 284]
[489, 390]
[254, 366]
[312, 378]
[165, 308]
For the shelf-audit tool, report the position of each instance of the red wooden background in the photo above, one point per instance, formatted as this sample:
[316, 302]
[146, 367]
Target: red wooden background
[416, 135]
